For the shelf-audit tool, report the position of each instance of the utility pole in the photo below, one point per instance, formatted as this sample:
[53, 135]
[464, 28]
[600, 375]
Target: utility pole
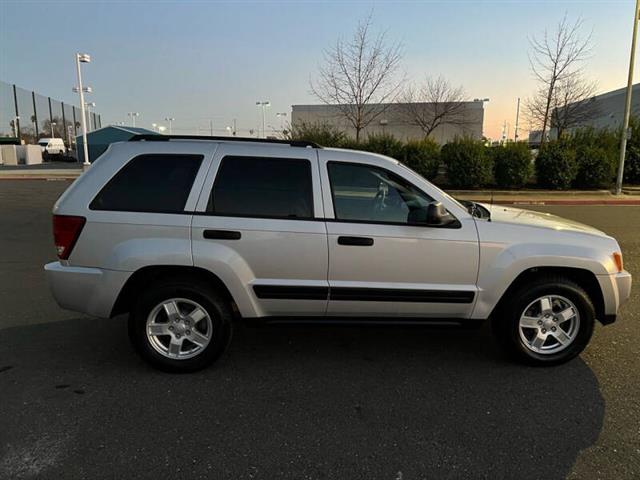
[515, 136]
[627, 105]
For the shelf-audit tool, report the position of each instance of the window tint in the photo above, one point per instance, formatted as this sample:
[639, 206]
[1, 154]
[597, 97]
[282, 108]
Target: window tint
[150, 183]
[371, 194]
[263, 187]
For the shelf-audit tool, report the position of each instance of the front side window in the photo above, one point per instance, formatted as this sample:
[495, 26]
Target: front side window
[263, 187]
[370, 194]
[157, 183]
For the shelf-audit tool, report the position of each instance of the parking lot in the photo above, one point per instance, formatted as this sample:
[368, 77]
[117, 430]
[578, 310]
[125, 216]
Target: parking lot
[303, 402]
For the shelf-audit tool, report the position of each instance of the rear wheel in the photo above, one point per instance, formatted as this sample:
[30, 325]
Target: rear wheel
[180, 325]
[547, 322]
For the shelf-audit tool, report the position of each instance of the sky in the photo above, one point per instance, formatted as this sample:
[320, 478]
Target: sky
[207, 61]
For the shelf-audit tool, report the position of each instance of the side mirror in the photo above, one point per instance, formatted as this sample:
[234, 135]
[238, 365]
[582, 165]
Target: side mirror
[434, 215]
[437, 215]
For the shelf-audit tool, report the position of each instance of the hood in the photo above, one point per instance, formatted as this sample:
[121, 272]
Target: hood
[518, 216]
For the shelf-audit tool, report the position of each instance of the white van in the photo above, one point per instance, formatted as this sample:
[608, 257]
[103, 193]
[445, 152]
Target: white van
[52, 147]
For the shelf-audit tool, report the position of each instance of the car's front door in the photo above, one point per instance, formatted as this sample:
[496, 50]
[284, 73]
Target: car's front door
[383, 259]
[259, 227]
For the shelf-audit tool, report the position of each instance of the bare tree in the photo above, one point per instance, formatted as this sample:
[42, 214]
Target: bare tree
[573, 104]
[556, 59]
[358, 73]
[434, 103]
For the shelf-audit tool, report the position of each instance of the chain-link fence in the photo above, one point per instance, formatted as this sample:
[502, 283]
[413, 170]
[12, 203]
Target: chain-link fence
[27, 115]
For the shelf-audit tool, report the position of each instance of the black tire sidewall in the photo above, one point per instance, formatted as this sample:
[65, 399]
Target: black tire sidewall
[217, 308]
[508, 326]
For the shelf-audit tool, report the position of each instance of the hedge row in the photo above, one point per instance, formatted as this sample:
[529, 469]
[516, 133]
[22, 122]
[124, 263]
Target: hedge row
[587, 159]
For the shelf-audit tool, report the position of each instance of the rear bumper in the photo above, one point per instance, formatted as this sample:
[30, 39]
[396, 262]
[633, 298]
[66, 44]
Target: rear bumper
[616, 290]
[88, 290]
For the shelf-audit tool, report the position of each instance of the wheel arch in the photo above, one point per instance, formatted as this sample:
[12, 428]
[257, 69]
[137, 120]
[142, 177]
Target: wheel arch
[146, 275]
[582, 277]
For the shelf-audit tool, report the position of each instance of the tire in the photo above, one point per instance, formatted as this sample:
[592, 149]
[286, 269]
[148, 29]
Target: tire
[197, 311]
[522, 326]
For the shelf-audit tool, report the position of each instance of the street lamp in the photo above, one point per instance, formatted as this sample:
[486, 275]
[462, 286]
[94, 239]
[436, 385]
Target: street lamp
[161, 128]
[133, 116]
[281, 116]
[53, 124]
[153, 126]
[263, 104]
[83, 58]
[169, 119]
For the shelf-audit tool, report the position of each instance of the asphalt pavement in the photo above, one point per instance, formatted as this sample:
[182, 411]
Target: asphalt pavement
[303, 402]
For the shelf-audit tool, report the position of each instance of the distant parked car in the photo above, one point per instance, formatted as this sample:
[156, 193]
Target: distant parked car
[52, 148]
[188, 235]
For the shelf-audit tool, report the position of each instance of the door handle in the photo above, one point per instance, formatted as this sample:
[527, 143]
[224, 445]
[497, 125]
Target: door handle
[221, 235]
[356, 241]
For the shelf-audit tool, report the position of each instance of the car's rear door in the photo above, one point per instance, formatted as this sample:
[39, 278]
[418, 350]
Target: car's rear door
[258, 224]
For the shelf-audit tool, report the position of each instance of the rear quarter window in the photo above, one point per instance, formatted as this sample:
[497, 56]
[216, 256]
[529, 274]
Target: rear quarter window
[158, 183]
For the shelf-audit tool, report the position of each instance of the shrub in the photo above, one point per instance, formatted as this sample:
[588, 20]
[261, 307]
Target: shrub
[512, 164]
[596, 167]
[632, 159]
[423, 157]
[632, 165]
[384, 144]
[468, 163]
[556, 165]
[321, 133]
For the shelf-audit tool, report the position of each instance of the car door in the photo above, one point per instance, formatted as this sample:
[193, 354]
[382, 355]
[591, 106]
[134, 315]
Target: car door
[259, 227]
[383, 259]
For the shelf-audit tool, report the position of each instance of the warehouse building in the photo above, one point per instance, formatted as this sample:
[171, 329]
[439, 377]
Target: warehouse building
[99, 140]
[608, 112]
[393, 119]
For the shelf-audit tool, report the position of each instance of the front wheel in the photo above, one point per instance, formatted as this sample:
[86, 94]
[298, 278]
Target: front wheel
[180, 326]
[547, 322]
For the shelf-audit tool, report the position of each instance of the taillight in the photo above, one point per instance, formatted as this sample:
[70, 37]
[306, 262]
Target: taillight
[66, 230]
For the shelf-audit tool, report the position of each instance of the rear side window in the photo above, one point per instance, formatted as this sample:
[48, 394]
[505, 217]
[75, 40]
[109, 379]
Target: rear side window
[150, 183]
[263, 187]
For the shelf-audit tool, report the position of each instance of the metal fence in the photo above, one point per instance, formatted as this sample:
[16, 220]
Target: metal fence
[29, 116]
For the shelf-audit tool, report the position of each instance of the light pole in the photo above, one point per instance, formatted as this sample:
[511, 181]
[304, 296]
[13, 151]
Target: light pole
[515, 136]
[169, 119]
[627, 105]
[263, 104]
[83, 58]
[153, 126]
[281, 116]
[133, 116]
[53, 134]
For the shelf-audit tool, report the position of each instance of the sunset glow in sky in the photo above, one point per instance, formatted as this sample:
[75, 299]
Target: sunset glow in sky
[198, 61]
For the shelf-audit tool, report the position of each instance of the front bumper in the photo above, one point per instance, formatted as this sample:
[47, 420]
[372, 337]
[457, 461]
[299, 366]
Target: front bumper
[88, 290]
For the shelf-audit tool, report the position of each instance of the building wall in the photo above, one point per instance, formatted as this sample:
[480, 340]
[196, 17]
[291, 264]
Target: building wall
[393, 121]
[609, 108]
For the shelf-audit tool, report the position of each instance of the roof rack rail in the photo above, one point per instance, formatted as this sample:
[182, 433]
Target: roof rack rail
[166, 138]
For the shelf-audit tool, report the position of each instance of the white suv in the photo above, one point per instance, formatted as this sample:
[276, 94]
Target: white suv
[187, 234]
